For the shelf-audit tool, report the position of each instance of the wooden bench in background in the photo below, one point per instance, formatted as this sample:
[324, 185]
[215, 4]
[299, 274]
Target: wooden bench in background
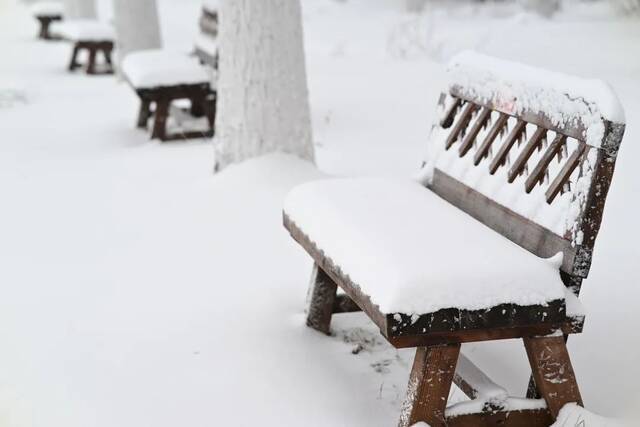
[513, 155]
[47, 12]
[206, 43]
[161, 77]
[93, 36]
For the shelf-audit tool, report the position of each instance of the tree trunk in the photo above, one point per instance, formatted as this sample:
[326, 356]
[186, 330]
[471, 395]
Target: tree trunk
[263, 101]
[80, 9]
[137, 26]
[416, 5]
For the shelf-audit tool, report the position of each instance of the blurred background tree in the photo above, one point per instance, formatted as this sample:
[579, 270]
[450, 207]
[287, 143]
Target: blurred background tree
[137, 25]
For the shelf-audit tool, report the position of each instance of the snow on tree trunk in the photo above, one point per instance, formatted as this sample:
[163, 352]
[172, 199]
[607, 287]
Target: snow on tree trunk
[416, 5]
[543, 7]
[137, 25]
[80, 9]
[263, 103]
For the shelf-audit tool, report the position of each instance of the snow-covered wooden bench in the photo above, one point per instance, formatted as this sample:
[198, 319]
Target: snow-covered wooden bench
[175, 88]
[495, 247]
[47, 12]
[160, 77]
[94, 37]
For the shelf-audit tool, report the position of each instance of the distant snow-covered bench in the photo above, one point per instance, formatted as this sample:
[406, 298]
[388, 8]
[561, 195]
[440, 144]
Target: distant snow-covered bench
[46, 12]
[160, 77]
[496, 246]
[93, 36]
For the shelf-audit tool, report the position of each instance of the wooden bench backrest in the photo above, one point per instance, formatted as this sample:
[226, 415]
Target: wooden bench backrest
[532, 162]
[209, 22]
[208, 30]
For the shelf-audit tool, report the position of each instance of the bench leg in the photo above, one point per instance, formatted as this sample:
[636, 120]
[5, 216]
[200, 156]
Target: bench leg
[322, 293]
[160, 120]
[197, 106]
[74, 58]
[107, 59]
[552, 371]
[91, 65]
[429, 385]
[144, 113]
[532, 390]
[44, 29]
[210, 112]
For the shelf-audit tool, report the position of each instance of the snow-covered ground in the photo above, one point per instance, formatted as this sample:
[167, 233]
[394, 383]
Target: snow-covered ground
[138, 289]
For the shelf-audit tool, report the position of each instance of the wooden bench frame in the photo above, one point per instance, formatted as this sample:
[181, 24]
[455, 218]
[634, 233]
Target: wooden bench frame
[93, 47]
[543, 329]
[45, 21]
[203, 103]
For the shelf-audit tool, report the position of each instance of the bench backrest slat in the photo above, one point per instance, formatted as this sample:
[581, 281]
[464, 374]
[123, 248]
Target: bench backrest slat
[535, 170]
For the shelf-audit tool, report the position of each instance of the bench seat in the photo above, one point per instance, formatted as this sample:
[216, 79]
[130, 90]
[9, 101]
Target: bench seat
[413, 253]
[162, 68]
[47, 8]
[86, 30]
[47, 13]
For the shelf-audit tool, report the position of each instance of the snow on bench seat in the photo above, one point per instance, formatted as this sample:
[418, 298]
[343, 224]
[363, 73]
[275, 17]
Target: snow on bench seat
[414, 253]
[86, 30]
[158, 68]
[47, 8]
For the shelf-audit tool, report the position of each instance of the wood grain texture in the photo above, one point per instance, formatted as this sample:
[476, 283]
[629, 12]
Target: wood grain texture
[322, 295]
[429, 385]
[533, 144]
[538, 173]
[500, 158]
[552, 371]
[523, 232]
[470, 137]
[461, 124]
[486, 144]
[563, 176]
